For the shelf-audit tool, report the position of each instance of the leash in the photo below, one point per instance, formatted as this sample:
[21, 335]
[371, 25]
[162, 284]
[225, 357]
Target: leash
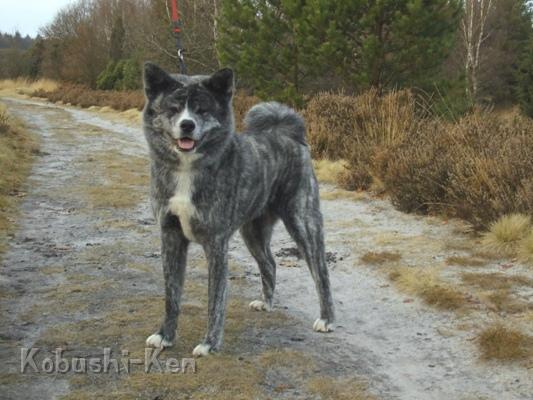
[176, 28]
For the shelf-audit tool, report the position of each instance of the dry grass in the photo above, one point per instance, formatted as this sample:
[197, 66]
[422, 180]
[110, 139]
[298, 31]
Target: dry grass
[427, 285]
[467, 261]
[132, 115]
[17, 149]
[128, 101]
[125, 180]
[328, 171]
[442, 296]
[242, 102]
[358, 129]
[339, 389]
[341, 194]
[379, 258]
[498, 342]
[235, 373]
[495, 280]
[505, 234]
[504, 301]
[525, 249]
[477, 168]
[26, 86]
[82, 96]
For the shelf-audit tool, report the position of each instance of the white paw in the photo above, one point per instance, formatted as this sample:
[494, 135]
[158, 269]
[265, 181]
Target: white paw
[259, 305]
[201, 350]
[157, 341]
[321, 325]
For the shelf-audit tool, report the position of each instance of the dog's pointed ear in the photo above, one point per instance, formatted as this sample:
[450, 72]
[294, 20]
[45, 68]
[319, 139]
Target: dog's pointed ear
[221, 82]
[156, 81]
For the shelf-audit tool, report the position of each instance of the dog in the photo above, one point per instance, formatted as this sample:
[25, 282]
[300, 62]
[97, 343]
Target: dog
[207, 182]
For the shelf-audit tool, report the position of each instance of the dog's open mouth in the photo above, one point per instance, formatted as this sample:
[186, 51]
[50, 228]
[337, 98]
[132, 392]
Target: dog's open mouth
[185, 144]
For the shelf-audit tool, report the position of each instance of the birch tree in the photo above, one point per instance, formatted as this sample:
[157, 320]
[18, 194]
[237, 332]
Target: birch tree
[475, 33]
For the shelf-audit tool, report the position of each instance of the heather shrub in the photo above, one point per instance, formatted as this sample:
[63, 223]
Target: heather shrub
[477, 169]
[242, 102]
[83, 96]
[330, 118]
[361, 130]
[491, 171]
[416, 173]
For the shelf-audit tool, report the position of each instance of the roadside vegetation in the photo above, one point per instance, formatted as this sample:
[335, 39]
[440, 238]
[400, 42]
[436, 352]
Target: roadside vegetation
[17, 149]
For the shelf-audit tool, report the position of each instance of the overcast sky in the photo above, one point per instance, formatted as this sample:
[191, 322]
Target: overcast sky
[27, 16]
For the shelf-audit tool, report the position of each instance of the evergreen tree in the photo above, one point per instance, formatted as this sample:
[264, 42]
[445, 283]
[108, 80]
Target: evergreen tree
[525, 81]
[281, 47]
[403, 43]
[116, 44]
[508, 34]
[261, 39]
[36, 58]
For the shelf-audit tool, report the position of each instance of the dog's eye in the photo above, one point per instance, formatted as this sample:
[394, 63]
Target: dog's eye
[175, 109]
[199, 108]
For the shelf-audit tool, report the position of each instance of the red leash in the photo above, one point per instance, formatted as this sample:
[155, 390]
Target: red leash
[176, 28]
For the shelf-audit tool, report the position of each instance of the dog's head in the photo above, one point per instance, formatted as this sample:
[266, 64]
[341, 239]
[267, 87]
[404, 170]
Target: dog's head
[186, 116]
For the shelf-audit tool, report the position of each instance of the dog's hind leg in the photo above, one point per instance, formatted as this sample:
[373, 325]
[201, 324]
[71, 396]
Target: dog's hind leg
[174, 255]
[257, 235]
[303, 220]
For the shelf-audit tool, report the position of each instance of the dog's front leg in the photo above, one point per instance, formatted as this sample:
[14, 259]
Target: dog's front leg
[174, 256]
[217, 257]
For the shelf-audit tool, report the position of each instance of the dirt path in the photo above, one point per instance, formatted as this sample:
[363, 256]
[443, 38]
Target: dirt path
[82, 273]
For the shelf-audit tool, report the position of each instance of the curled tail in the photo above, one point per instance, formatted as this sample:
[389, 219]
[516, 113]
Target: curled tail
[275, 117]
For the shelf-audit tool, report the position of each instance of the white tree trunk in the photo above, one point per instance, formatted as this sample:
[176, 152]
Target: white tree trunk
[474, 33]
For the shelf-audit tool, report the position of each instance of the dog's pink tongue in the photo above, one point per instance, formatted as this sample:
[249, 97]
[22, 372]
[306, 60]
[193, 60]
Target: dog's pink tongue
[185, 143]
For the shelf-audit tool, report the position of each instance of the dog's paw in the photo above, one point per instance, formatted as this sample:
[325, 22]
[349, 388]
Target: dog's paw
[156, 341]
[202, 350]
[259, 305]
[321, 325]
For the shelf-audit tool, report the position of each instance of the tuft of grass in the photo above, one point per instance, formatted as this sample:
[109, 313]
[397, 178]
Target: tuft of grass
[17, 150]
[132, 115]
[329, 171]
[342, 194]
[427, 285]
[379, 258]
[505, 234]
[502, 300]
[339, 389]
[442, 297]
[466, 261]
[525, 249]
[498, 342]
[495, 280]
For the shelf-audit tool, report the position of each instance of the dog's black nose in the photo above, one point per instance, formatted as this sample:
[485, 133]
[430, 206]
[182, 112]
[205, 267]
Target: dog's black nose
[187, 125]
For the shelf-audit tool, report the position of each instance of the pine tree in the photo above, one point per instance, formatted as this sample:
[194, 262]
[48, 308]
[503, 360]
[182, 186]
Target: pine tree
[509, 33]
[116, 43]
[405, 42]
[525, 81]
[36, 58]
[281, 47]
[261, 40]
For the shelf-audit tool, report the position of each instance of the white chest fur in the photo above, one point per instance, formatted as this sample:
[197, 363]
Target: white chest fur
[181, 204]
